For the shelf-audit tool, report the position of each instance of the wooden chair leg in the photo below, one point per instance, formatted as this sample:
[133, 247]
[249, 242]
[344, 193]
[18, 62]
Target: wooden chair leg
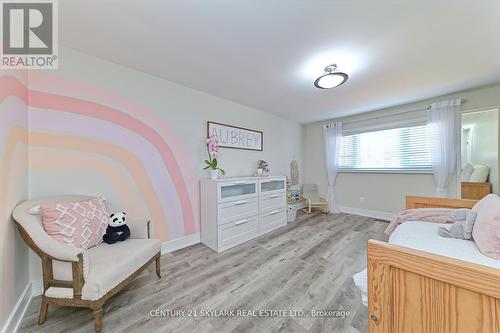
[158, 268]
[98, 320]
[43, 312]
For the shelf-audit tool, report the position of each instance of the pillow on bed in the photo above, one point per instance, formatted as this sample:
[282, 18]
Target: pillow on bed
[486, 230]
[480, 174]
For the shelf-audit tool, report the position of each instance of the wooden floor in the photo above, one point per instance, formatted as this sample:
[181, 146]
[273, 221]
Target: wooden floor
[304, 266]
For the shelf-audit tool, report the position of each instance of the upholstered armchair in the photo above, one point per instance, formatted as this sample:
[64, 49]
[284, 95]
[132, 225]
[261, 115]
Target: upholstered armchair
[85, 278]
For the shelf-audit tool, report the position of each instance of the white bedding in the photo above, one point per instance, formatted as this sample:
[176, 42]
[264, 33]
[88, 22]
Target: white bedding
[423, 236]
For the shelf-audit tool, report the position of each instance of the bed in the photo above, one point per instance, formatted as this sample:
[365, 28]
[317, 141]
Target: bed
[449, 287]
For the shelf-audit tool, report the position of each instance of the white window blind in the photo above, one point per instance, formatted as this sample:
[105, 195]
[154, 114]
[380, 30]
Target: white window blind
[396, 149]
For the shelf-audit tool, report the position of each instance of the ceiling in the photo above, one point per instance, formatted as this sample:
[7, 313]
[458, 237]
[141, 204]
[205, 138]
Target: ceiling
[266, 54]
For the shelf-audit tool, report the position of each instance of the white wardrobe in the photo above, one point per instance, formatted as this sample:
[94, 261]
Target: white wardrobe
[236, 210]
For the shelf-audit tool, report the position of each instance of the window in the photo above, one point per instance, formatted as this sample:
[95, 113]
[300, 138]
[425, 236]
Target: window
[396, 149]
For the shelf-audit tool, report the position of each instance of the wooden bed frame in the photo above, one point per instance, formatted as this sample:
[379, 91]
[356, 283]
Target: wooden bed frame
[416, 291]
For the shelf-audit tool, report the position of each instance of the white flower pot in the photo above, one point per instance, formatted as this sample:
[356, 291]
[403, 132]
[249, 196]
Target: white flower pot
[214, 174]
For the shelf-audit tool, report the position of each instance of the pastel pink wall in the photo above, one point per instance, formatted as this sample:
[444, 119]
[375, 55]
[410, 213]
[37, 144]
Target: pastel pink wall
[114, 139]
[14, 255]
[95, 127]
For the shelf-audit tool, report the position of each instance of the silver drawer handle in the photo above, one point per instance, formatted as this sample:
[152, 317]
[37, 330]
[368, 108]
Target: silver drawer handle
[241, 222]
[274, 212]
[273, 196]
[241, 202]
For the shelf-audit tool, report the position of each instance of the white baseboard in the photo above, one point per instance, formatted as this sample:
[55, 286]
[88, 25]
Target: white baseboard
[376, 214]
[17, 314]
[36, 288]
[180, 243]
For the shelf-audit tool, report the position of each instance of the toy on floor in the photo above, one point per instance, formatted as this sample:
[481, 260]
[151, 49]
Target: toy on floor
[117, 229]
[314, 199]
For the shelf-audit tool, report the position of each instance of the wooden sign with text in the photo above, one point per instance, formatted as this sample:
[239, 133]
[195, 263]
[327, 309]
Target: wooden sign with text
[235, 137]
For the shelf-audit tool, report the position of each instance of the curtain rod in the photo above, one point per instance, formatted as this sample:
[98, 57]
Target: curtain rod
[392, 114]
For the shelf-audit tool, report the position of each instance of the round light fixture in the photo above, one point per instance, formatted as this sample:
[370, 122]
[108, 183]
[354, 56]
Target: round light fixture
[331, 79]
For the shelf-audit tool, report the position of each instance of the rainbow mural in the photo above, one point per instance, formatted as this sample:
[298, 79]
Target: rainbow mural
[13, 188]
[74, 128]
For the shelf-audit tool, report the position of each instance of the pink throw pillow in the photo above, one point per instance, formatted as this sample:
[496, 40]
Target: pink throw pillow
[79, 224]
[486, 231]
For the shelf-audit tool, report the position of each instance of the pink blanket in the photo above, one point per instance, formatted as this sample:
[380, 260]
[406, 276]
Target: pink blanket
[436, 215]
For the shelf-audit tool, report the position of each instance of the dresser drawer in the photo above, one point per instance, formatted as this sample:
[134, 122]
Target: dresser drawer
[237, 232]
[272, 185]
[275, 200]
[272, 219]
[238, 209]
[236, 190]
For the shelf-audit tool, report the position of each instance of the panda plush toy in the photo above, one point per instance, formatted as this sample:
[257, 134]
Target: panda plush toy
[117, 229]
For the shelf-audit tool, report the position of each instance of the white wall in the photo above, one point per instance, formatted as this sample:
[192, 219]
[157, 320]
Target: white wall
[384, 192]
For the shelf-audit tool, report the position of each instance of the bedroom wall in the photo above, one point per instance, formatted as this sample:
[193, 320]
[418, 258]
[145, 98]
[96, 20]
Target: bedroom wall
[100, 128]
[14, 254]
[376, 193]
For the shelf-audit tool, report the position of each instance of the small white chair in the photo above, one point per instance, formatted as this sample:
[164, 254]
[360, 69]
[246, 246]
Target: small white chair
[314, 199]
[75, 277]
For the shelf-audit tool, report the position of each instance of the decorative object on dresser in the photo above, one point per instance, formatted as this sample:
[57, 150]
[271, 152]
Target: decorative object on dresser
[263, 168]
[211, 163]
[237, 210]
[235, 137]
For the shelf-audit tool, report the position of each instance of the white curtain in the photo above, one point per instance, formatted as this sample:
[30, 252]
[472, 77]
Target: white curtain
[443, 125]
[332, 135]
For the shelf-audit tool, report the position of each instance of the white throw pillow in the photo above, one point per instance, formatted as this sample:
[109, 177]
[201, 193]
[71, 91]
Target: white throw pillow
[480, 174]
[466, 172]
[35, 210]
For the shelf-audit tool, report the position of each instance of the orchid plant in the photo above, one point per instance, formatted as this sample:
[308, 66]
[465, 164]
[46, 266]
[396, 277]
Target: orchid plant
[213, 150]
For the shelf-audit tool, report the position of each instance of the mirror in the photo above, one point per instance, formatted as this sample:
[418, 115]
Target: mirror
[479, 153]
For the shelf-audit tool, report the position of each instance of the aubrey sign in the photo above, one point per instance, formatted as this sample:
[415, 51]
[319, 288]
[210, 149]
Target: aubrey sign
[235, 137]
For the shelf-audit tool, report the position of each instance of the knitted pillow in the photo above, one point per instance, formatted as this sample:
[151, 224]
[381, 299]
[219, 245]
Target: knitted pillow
[486, 230]
[79, 224]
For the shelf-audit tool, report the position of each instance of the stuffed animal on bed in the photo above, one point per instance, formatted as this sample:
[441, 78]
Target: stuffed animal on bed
[117, 229]
[462, 228]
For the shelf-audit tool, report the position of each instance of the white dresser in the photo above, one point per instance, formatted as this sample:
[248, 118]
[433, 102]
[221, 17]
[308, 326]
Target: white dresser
[235, 210]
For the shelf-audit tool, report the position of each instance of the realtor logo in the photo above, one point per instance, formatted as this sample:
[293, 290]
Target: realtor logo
[29, 34]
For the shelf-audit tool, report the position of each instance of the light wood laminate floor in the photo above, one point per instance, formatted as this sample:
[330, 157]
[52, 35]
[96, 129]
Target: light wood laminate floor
[304, 266]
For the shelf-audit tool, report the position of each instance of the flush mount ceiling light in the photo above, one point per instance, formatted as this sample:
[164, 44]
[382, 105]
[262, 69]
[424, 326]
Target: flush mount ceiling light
[331, 79]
